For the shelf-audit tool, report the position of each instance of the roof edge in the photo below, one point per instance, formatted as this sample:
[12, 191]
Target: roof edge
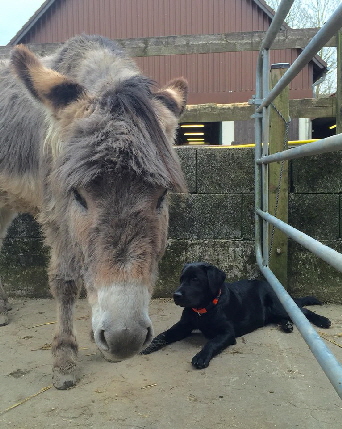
[30, 23]
[318, 61]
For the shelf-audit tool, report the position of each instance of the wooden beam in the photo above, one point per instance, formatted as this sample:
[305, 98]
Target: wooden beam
[313, 108]
[218, 112]
[301, 108]
[278, 178]
[198, 44]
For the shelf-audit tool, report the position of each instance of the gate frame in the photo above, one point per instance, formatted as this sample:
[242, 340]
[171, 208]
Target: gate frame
[263, 219]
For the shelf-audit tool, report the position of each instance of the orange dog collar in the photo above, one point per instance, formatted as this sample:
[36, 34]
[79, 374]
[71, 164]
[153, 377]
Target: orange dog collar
[201, 311]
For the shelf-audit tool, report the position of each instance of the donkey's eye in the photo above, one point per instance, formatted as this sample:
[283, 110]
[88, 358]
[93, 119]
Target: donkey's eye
[78, 197]
[161, 200]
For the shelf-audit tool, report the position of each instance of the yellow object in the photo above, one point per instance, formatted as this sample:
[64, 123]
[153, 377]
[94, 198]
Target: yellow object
[193, 126]
[290, 142]
[44, 389]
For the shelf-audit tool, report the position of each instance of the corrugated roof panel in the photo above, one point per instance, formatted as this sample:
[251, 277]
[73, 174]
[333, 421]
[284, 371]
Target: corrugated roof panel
[147, 18]
[220, 77]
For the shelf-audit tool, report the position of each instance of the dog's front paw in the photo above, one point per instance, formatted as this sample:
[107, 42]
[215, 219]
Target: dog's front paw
[287, 326]
[201, 360]
[157, 343]
[324, 322]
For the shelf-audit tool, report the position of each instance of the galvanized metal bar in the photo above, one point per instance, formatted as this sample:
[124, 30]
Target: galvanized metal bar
[329, 29]
[338, 95]
[265, 139]
[258, 150]
[325, 358]
[322, 353]
[277, 22]
[324, 252]
[271, 33]
[258, 181]
[329, 144]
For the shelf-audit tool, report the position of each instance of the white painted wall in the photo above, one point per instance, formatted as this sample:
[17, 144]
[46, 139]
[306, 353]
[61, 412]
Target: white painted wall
[304, 129]
[227, 132]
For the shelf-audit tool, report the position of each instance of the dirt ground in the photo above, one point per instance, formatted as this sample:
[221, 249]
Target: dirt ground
[267, 380]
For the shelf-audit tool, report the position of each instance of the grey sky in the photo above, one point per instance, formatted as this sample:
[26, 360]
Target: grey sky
[13, 15]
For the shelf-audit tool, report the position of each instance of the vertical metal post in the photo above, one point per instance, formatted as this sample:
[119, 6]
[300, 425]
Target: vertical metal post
[258, 153]
[339, 84]
[330, 365]
[261, 138]
[265, 141]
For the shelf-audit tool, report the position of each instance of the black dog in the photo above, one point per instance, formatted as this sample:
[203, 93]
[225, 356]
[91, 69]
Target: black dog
[223, 311]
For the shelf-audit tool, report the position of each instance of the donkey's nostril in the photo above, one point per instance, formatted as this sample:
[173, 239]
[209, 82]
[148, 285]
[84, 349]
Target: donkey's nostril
[102, 340]
[148, 336]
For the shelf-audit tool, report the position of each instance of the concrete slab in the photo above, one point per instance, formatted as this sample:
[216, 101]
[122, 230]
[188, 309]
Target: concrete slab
[267, 380]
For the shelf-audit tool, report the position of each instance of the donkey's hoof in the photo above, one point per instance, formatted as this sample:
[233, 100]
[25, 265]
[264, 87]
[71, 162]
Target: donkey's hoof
[63, 381]
[3, 319]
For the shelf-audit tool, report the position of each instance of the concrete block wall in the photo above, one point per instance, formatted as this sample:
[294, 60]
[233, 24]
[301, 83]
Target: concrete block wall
[215, 223]
[23, 260]
[315, 208]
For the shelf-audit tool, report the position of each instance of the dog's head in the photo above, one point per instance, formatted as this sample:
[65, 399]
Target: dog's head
[199, 285]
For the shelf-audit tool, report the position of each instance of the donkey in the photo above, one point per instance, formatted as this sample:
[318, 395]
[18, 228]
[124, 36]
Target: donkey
[86, 147]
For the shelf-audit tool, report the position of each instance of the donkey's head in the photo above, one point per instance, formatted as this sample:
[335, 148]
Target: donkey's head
[109, 164]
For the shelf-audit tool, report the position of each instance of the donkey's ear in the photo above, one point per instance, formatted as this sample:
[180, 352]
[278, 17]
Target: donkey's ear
[48, 86]
[216, 277]
[174, 96]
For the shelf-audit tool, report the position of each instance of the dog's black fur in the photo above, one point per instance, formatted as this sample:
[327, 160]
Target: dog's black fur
[242, 307]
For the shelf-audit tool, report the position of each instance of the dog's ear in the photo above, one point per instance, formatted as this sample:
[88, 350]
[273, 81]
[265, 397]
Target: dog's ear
[184, 267]
[216, 277]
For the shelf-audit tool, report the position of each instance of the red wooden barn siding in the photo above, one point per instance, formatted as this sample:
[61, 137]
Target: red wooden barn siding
[213, 78]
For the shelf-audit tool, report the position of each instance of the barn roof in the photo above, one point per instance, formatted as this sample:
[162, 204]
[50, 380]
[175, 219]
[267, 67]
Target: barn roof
[31, 22]
[48, 3]
[319, 64]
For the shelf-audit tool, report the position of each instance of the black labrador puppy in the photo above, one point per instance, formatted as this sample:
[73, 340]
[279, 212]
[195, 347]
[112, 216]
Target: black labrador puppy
[223, 311]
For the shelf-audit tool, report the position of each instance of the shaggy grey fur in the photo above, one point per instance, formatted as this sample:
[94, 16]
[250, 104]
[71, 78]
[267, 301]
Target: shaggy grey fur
[89, 152]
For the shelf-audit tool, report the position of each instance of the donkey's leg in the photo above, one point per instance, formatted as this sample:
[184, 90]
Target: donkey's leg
[6, 217]
[64, 345]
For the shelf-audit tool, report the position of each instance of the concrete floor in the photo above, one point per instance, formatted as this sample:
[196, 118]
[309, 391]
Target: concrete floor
[267, 380]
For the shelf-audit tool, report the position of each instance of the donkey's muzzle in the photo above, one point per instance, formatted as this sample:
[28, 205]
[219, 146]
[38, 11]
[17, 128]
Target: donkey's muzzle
[120, 320]
[122, 343]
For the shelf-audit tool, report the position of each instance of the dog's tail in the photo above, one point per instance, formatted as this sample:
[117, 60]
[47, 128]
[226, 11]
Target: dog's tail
[307, 300]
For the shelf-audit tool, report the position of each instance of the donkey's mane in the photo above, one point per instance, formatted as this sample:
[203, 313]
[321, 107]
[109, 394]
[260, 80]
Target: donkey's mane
[122, 136]
[121, 132]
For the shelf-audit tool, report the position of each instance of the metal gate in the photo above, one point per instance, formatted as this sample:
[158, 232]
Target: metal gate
[263, 219]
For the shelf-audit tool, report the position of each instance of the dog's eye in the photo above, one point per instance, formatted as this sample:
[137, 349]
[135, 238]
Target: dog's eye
[81, 200]
[194, 278]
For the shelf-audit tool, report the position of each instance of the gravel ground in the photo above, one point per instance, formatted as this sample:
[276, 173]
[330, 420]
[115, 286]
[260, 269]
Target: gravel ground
[267, 380]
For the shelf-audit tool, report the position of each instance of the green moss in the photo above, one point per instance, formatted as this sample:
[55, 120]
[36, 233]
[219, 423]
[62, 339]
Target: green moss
[24, 259]
[310, 275]
[215, 223]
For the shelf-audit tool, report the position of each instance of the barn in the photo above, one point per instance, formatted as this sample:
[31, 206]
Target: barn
[222, 78]
[215, 221]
